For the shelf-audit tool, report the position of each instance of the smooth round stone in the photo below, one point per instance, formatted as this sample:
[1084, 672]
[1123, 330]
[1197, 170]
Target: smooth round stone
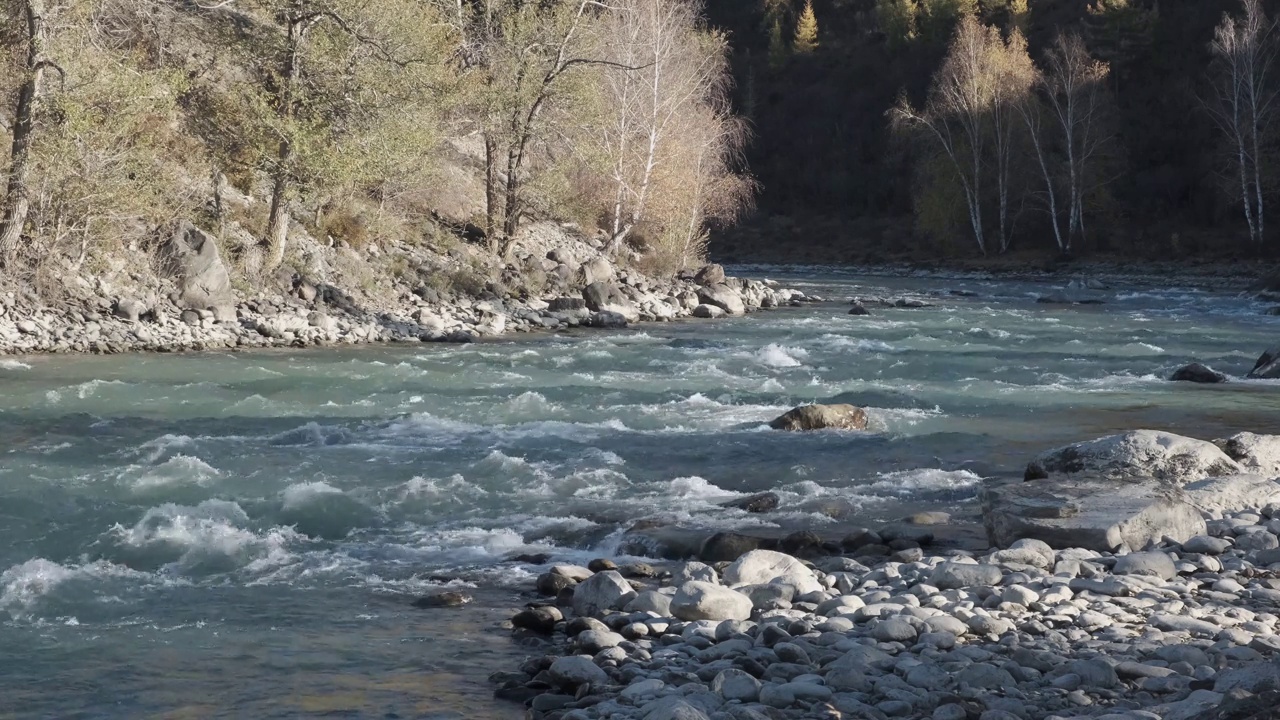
[734, 684]
[895, 708]
[894, 630]
[791, 653]
[778, 696]
[1020, 595]
[594, 641]
[1253, 541]
[1228, 585]
[951, 711]
[836, 625]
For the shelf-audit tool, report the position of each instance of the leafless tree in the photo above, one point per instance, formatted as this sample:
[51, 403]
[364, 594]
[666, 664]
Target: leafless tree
[1012, 77]
[1244, 51]
[1075, 90]
[957, 112]
[663, 70]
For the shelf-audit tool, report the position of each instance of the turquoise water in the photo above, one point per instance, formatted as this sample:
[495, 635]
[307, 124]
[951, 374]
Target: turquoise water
[241, 534]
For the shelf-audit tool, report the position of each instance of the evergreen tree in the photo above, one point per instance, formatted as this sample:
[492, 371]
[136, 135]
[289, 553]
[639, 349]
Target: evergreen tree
[806, 40]
[777, 48]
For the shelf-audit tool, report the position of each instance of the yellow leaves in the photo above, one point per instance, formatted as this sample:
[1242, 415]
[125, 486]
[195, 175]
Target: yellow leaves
[806, 39]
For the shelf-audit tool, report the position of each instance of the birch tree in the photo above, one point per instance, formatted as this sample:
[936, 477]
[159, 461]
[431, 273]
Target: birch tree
[663, 70]
[1012, 77]
[1074, 88]
[1244, 51]
[957, 111]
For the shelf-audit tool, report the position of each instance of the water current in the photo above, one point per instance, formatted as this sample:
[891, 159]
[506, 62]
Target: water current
[240, 535]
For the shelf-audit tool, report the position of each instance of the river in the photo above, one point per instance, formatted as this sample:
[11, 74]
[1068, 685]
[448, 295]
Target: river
[241, 535]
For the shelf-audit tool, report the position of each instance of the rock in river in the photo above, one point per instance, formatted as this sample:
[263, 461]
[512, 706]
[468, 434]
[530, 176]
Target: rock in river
[818, 417]
[1197, 373]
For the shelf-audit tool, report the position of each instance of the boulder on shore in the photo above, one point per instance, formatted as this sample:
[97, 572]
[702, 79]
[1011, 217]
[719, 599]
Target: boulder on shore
[1136, 454]
[712, 274]
[1255, 453]
[607, 297]
[1197, 373]
[191, 256]
[761, 567]
[696, 600]
[1267, 367]
[818, 417]
[1097, 514]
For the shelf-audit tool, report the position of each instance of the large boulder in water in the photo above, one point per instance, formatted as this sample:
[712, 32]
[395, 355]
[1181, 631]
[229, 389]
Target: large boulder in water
[1255, 453]
[1136, 454]
[1095, 513]
[606, 297]
[1197, 373]
[758, 503]
[818, 417]
[1267, 367]
[724, 297]
[191, 256]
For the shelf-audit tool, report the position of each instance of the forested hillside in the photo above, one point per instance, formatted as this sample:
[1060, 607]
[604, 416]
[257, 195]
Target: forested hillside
[356, 125]
[862, 129]
[840, 181]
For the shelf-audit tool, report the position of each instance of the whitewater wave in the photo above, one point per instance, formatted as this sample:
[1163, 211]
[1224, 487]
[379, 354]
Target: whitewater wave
[24, 585]
[177, 470]
[212, 537]
[779, 356]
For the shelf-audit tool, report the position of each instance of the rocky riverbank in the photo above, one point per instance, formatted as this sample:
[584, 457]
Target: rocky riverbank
[185, 299]
[1140, 581]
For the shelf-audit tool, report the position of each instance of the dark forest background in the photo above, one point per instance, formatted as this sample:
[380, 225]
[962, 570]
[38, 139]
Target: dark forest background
[837, 185]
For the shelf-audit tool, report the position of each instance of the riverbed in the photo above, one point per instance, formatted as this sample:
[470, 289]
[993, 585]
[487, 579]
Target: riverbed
[241, 534]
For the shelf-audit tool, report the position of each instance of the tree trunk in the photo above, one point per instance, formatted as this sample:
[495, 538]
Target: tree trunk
[491, 191]
[278, 222]
[511, 203]
[17, 203]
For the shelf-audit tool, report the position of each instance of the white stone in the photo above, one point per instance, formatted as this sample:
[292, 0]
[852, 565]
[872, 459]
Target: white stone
[705, 601]
[766, 566]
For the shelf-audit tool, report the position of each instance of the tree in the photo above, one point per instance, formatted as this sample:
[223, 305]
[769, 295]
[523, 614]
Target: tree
[806, 39]
[35, 65]
[957, 112]
[777, 48]
[668, 142]
[1011, 77]
[1074, 88]
[527, 54]
[660, 68]
[897, 20]
[298, 79]
[1244, 51]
